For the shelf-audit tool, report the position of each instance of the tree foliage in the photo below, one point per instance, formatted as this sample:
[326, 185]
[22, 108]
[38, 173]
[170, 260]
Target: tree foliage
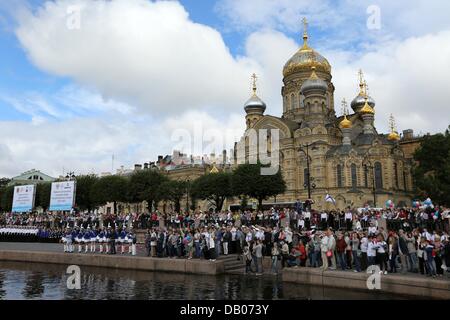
[110, 189]
[174, 191]
[42, 199]
[432, 172]
[145, 185]
[248, 181]
[85, 199]
[214, 187]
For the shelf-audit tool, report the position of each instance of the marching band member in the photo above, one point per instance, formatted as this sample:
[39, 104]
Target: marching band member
[122, 240]
[87, 239]
[64, 240]
[79, 239]
[93, 240]
[132, 241]
[100, 239]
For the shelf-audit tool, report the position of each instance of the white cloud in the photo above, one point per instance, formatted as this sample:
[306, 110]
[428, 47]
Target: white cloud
[148, 54]
[344, 18]
[134, 60]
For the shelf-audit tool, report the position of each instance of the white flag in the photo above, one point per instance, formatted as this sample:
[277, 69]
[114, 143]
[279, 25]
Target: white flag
[329, 198]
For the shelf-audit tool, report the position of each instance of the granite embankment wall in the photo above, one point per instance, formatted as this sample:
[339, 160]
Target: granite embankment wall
[418, 286]
[117, 261]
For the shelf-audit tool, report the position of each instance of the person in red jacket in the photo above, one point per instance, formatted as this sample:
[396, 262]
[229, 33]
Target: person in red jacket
[303, 254]
[340, 251]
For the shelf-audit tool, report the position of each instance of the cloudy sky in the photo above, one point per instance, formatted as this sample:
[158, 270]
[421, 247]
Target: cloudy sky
[81, 80]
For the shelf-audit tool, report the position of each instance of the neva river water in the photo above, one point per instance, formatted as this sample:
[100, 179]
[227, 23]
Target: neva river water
[45, 281]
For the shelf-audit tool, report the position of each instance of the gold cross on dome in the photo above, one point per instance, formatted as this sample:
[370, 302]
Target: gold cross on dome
[344, 106]
[392, 123]
[305, 26]
[254, 79]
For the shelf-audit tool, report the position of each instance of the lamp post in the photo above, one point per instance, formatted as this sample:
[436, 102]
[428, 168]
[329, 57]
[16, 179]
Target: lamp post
[305, 149]
[372, 170]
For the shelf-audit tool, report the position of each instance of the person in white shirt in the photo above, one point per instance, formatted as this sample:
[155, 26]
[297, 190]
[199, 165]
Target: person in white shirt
[324, 220]
[371, 252]
[349, 220]
[364, 244]
[381, 248]
[307, 216]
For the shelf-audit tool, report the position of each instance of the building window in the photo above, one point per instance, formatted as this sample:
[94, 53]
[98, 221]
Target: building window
[300, 101]
[378, 176]
[366, 176]
[396, 175]
[405, 185]
[354, 178]
[293, 102]
[339, 175]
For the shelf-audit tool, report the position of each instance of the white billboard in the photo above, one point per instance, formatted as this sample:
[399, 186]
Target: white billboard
[62, 196]
[23, 199]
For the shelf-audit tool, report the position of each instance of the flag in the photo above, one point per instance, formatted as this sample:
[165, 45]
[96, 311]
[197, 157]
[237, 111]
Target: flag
[329, 198]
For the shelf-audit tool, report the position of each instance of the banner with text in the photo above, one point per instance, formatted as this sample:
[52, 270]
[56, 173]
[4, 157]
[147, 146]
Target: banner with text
[23, 199]
[62, 196]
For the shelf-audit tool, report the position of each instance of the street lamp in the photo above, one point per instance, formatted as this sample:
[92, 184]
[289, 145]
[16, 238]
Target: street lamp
[372, 170]
[309, 179]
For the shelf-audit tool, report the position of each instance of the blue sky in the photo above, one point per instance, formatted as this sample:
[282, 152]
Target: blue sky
[125, 86]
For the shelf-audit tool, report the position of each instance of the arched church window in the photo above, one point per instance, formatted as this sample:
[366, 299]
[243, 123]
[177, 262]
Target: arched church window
[293, 102]
[301, 99]
[354, 178]
[378, 176]
[405, 185]
[366, 176]
[396, 175]
[339, 175]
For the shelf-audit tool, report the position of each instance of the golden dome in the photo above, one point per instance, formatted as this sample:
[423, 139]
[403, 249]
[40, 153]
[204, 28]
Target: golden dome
[306, 58]
[367, 108]
[345, 124]
[393, 136]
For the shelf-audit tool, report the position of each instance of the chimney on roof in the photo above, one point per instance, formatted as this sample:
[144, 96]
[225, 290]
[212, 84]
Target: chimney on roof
[145, 165]
[408, 134]
[137, 167]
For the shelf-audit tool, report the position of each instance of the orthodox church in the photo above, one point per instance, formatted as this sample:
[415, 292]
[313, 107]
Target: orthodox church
[323, 154]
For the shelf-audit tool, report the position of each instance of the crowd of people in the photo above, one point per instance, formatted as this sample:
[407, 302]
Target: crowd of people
[414, 240]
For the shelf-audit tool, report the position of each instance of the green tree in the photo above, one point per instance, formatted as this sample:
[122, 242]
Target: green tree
[214, 187]
[174, 191]
[84, 199]
[432, 172]
[6, 198]
[110, 189]
[145, 185]
[42, 199]
[248, 181]
[4, 182]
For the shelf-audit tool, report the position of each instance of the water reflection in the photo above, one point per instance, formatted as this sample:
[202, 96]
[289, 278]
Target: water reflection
[45, 281]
